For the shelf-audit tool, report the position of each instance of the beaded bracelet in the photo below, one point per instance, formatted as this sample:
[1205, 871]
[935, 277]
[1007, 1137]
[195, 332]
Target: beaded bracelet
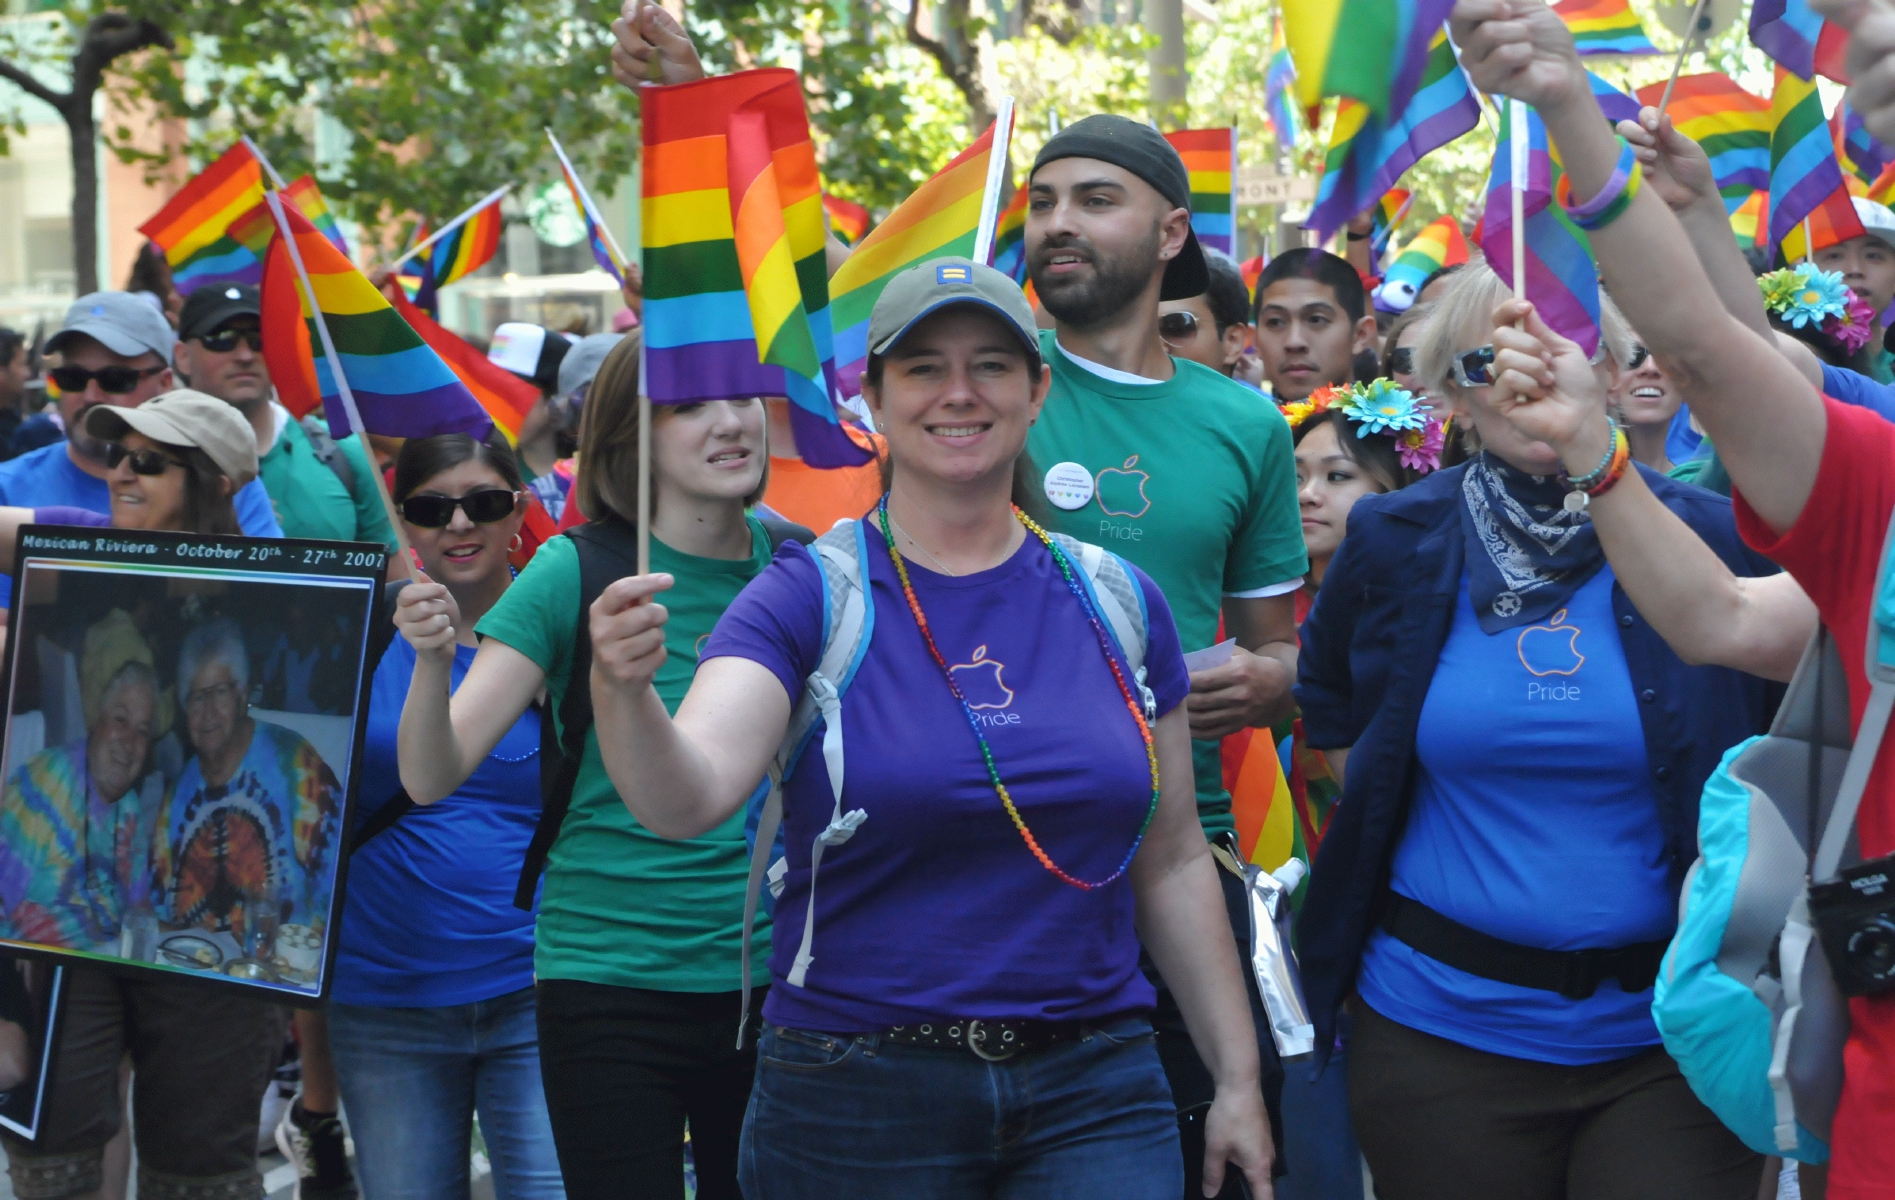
[1613, 199]
[1600, 480]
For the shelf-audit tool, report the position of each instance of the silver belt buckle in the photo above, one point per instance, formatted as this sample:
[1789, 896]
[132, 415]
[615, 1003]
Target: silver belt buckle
[974, 1044]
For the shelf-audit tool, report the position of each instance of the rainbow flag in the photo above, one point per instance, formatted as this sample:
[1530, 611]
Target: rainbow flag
[1210, 156]
[1389, 211]
[1260, 802]
[1856, 148]
[1366, 158]
[1750, 220]
[1439, 244]
[1561, 279]
[942, 218]
[1604, 27]
[1882, 190]
[847, 219]
[1616, 105]
[1010, 237]
[1279, 85]
[390, 379]
[506, 397]
[1790, 32]
[1804, 173]
[1831, 222]
[1252, 270]
[736, 285]
[1372, 51]
[192, 227]
[466, 246]
[603, 251]
[1732, 125]
[305, 195]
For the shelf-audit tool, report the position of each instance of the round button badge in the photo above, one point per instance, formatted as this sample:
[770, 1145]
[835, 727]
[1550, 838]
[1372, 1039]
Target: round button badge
[1069, 486]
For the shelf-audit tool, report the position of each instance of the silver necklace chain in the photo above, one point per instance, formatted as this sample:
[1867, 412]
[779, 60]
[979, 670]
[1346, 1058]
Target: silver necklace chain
[939, 565]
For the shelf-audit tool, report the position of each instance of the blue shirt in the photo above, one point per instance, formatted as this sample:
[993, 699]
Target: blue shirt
[47, 477]
[1850, 387]
[1683, 443]
[1536, 824]
[428, 917]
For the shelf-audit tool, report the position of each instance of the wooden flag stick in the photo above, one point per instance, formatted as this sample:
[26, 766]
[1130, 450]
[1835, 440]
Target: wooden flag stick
[456, 223]
[1519, 146]
[1809, 246]
[1690, 34]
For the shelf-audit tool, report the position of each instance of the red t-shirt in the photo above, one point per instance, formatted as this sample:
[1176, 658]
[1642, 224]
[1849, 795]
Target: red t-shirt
[1834, 551]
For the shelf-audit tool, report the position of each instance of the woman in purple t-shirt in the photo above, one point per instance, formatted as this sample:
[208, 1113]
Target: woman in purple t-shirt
[967, 1007]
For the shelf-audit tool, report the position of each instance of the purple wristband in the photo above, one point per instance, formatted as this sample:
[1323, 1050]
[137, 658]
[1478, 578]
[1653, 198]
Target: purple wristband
[1613, 189]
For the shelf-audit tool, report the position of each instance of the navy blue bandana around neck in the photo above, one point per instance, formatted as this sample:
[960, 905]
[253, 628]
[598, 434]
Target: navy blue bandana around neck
[1526, 555]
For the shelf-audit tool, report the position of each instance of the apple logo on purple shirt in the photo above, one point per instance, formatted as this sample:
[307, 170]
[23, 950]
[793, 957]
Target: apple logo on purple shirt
[979, 681]
[1552, 648]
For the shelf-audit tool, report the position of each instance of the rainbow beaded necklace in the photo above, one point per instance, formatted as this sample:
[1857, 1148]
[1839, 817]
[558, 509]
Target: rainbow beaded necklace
[986, 751]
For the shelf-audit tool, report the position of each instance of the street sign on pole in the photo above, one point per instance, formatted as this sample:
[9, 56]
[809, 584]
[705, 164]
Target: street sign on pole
[1262, 185]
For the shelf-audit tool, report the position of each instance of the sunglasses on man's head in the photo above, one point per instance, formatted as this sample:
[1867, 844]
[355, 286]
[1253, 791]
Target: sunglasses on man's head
[1401, 360]
[144, 462]
[1178, 326]
[113, 381]
[483, 507]
[223, 341]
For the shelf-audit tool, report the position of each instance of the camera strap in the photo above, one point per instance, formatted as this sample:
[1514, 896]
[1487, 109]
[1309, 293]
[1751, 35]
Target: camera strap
[1880, 670]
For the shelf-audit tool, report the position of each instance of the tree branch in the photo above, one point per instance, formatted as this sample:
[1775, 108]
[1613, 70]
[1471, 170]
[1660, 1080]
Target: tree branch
[960, 63]
[34, 87]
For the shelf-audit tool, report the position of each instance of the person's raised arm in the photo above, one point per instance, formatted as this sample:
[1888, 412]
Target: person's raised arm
[442, 739]
[1704, 611]
[1766, 419]
[649, 46]
[681, 777]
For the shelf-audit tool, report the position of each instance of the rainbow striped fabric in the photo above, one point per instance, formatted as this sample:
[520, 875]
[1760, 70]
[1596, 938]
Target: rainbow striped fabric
[1604, 27]
[1804, 173]
[1882, 190]
[1831, 222]
[1439, 244]
[847, 219]
[462, 250]
[1373, 51]
[1366, 158]
[192, 227]
[1856, 147]
[399, 386]
[603, 252]
[1732, 125]
[1749, 221]
[1791, 32]
[1279, 85]
[1616, 105]
[1252, 270]
[1389, 211]
[940, 219]
[1010, 238]
[1210, 156]
[1562, 280]
[304, 194]
[736, 284]
[506, 397]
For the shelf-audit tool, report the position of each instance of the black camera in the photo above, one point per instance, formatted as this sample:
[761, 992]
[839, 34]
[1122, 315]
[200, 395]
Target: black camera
[1855, 915]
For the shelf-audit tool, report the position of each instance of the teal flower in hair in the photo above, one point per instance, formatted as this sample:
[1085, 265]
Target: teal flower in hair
[1382, 407]
[1817, 297]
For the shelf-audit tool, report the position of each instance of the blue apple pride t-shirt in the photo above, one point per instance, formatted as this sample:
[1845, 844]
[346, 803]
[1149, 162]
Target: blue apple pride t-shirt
[1534, 823]
[936, 907]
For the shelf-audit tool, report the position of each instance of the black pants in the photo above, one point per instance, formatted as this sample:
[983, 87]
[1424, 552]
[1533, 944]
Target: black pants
[1192, 1088]
[1441, 1121]
[625, 1068]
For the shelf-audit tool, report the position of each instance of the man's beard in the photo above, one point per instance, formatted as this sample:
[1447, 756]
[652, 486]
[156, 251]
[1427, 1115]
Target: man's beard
[1115, 284]
[83, 443]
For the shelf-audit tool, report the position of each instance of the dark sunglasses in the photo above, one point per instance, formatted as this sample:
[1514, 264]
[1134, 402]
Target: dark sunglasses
[144, 462]
[223, 341]
[1473, 368]
[483, 507]
[1178, 326]
[113, 381]
[1639, 355]
[1401, 360]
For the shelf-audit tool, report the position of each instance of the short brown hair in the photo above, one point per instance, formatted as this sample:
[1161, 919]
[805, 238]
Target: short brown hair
[607, 480]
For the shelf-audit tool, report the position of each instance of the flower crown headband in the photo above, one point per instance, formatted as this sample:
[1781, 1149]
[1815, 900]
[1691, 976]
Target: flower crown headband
[1805, 297]
[1379, 407]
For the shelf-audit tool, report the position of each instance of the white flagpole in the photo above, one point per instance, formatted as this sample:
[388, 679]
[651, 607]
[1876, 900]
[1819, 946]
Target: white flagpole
[335, 365]
[1520, 148]
[996, 179]
[456, 223]
[585, 199]
[1809, 246]
[276, 180]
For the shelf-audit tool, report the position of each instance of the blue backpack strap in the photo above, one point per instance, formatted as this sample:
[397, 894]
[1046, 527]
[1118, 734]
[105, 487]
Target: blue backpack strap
[1120, 603]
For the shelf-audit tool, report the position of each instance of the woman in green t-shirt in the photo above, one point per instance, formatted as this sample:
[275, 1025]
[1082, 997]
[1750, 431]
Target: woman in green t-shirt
[637, 944]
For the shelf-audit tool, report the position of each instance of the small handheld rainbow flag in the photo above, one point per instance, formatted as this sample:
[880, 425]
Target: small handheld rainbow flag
[1732, 125]
[457, 249]
[1439, 244]
[1010, 237]
[1367, 158]
[1252, 270]
[506, 397]
[605, 250]
[1279, 85]
[1616, 105]
[1750, 220]
[1856, 147]
[306, 196]
[941, 218]
[1389, 211]
[1791, 32]
[1882, 190]
[1604, 27]
[847, 219]
[1804, 173]
[390, 381]
[1374, 51]
[1561, 279]
[1210, 157]
[191, 228]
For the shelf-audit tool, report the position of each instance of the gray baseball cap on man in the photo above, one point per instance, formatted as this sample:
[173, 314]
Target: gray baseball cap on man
[1144, 152]
[121, 322]
[921, 291]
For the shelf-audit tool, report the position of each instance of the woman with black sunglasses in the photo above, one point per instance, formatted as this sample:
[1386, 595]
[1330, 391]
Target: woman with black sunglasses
[432, 1019]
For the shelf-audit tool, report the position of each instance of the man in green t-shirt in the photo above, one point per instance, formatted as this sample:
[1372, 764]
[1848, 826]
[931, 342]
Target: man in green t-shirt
[1170, 464]
[321, 491]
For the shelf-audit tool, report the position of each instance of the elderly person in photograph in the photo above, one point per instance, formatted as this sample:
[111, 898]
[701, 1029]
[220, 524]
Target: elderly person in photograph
[254, 822]
[75, 847]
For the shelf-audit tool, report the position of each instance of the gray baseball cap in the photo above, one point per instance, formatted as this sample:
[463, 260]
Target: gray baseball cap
[583, 360]
[121, 322]
[1877, 220]
[921, 291]
[185, 418]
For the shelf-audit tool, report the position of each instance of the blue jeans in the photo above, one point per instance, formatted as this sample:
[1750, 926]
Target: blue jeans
[835, 1116]
[412, 1080]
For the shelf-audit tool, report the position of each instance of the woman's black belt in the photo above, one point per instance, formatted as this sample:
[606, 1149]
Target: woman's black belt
[1574, 974]
[995, 1041]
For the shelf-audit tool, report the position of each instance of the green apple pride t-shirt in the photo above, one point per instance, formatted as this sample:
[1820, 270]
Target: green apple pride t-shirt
[1193, 479]
[622, 905]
